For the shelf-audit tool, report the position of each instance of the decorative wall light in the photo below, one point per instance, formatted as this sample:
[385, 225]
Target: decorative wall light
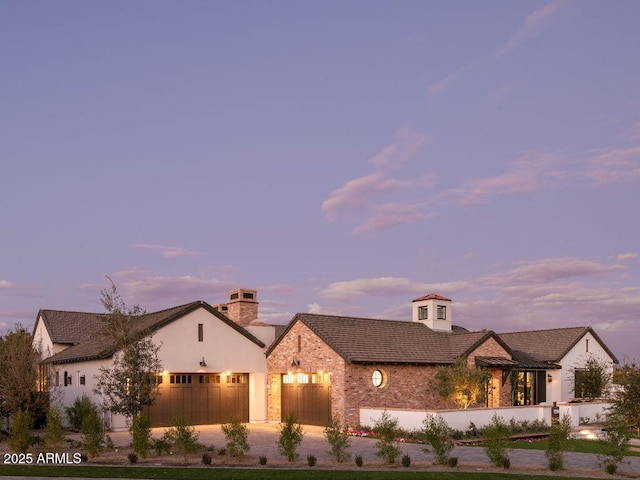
[549, 378]
[295, 363]
[203, 363]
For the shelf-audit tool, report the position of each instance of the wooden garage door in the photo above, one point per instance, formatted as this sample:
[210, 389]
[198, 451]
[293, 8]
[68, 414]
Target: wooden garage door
[201, 399]
[308, 395]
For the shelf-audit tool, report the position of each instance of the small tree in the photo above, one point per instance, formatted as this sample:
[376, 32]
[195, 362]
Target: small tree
[291, 435]
[615, 445]
[141, 435]
[20, 432]
[438, 434]
[460, 384]
[496, 438]
[128, 385]
[78, 410]
[183, 436]
[558, 443]
[53, 431]
[237, 436]
[626, 401]
[386, 428]
[19, 373]
[593, 379]
[339, 440]
[92, 434]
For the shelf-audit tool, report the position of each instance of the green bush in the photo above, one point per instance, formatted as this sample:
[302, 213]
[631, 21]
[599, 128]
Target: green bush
[53, 431]
[438, 434]
[237, 435]
[162, 445]
[141, 435]
[262, 459]
[183, 436]
[338, 440]
[311, 460]
[615, 444]
[80, 408]
[291, 435]
[92, 433]
[359, 461]
[406, 460]
[20, 432]
[496, 438]
[558, 443]
[386, 428]
[133, 457]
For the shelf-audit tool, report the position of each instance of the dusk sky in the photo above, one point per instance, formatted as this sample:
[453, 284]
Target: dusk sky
[339, 157]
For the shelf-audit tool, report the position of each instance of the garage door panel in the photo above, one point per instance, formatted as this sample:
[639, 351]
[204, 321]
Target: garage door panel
[310, 402]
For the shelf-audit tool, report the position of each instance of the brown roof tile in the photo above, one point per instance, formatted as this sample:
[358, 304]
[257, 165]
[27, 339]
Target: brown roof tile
[432, 296]
[369, 340]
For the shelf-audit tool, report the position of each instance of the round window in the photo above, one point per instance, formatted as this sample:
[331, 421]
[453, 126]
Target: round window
[377, 378]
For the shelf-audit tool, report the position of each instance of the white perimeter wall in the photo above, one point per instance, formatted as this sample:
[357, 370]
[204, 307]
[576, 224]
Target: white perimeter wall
[460, 419]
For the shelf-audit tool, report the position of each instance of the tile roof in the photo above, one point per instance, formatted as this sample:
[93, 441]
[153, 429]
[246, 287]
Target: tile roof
[548, 346]
[82, 330]
[368, 340]
[432, 296]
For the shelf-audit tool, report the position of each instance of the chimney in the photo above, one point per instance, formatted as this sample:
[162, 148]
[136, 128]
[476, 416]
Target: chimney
[242, 307]
[434, 311]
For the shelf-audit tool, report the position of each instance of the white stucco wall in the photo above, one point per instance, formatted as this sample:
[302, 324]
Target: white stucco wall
[563, 383]
[42, 341]
[224, 350]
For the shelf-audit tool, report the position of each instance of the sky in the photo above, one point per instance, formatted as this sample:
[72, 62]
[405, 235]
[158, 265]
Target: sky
[339, 157]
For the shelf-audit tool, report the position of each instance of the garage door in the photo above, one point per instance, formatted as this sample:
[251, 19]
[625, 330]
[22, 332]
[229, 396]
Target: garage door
[201, 399]
[308, 395]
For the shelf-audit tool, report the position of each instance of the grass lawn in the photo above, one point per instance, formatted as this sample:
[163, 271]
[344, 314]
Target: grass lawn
[213, 473]
[575, 445]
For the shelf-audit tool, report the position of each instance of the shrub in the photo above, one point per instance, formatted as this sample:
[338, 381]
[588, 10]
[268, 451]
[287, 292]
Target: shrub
[406, 460]
[262, 459]
[452, 462]
[183, 436]
[133, 457]
[141, 435]
[222, 451]
[339, 440]
[206, 459]
[108, 442]
[311, 460]
[92, 433]
[558, 442]
[615, 445]
[496, 438]
[53, 431]
[162, 445]
[237, 435]
[387, 429]
[359, 461]
[438, 434]
[20, 432]
[80, 408]
[291, 435]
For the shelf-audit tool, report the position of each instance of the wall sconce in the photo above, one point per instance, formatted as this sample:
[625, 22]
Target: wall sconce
[203, 363]
[295, 363]
[549, 378]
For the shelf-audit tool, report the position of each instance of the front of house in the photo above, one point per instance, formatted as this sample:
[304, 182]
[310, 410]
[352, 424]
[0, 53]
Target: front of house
[220, 361]
[325, 366]
[213, 368]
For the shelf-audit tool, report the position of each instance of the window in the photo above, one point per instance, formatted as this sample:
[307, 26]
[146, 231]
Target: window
[303, 378]
[200, 332]
[248, 296]
[587, 345]
[378, 379]
[67, 379]
[83, 380]
[442, 312]
[288, 378]
[578, 376]
[180, 379]
[299, 343]
[423, 313]
[234, 296]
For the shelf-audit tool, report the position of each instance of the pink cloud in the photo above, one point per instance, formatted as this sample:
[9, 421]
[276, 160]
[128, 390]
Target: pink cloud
[167, 252]
[614, 165]
[391, 215]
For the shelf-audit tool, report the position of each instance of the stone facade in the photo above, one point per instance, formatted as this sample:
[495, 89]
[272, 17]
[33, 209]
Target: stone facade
[303, 346]
[500, 387]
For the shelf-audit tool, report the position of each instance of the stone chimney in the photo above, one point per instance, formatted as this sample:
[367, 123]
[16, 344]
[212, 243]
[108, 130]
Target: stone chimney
[434, 311]
[242, 307]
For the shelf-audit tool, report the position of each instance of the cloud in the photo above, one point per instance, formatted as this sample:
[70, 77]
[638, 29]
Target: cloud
[314, 308]
[167, 252]
[550, 270]
[527, 174]
[7, 285]
[390, 215]
[359, 192]
[614, 165]
[532, 24]
[386, 286]
[626, 256]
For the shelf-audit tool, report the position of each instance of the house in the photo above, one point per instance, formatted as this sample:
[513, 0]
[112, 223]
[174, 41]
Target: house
[325, 366]
[214, 364]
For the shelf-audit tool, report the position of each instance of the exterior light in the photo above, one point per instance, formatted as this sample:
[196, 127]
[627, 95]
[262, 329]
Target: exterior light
[549, 378]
